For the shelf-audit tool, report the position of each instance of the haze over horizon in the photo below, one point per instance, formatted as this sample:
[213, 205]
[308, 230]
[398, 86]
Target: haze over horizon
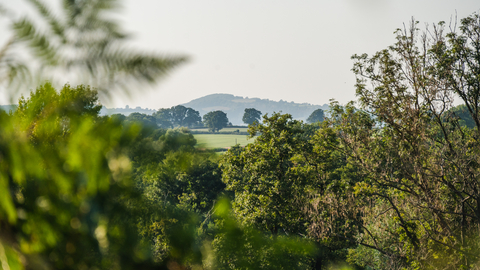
[294, 51]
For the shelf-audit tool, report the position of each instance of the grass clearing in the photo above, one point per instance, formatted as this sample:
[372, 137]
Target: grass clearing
[232, 129]
[221, 140]
[228, 129]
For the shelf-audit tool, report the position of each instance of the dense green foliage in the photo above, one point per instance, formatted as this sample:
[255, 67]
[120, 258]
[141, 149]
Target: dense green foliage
[79, 191]
[390, 185]
[267, 166]
[83, 191]
[420, 164]
[279, 180]
[390, 182]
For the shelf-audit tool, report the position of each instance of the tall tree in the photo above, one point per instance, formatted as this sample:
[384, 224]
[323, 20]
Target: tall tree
[264, 176]
[178, 114]
[251, 115]
[420, 165]
[281, 180]
[215, 120]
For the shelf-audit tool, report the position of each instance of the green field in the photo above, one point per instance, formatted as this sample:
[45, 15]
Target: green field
[232, 129]
[220, 140]
[228, 129]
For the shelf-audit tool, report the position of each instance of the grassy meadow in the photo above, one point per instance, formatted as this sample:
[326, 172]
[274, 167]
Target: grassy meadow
[223, 130]
[221, 140]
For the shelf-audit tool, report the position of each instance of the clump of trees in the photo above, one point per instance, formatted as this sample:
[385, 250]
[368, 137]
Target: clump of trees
[215, 120]
[390, 184]
[143, 119]
[178, 116]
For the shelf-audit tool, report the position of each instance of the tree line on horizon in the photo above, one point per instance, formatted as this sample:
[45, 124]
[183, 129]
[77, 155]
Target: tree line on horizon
[181, 116]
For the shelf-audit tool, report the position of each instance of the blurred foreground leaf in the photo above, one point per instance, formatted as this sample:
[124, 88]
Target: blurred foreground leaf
[238, 246]
[82, 44]
[67, 200]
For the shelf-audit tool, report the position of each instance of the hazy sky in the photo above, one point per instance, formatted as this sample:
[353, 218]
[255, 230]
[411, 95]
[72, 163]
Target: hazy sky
[292, 50]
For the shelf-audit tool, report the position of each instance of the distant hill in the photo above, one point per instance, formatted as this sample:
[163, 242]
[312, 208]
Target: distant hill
[8, 108]
[234, 106]
[126, 111]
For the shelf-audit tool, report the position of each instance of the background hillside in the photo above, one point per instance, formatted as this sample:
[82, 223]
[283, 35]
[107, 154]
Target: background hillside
[126, 111]
[8, 108]
[234, 106]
